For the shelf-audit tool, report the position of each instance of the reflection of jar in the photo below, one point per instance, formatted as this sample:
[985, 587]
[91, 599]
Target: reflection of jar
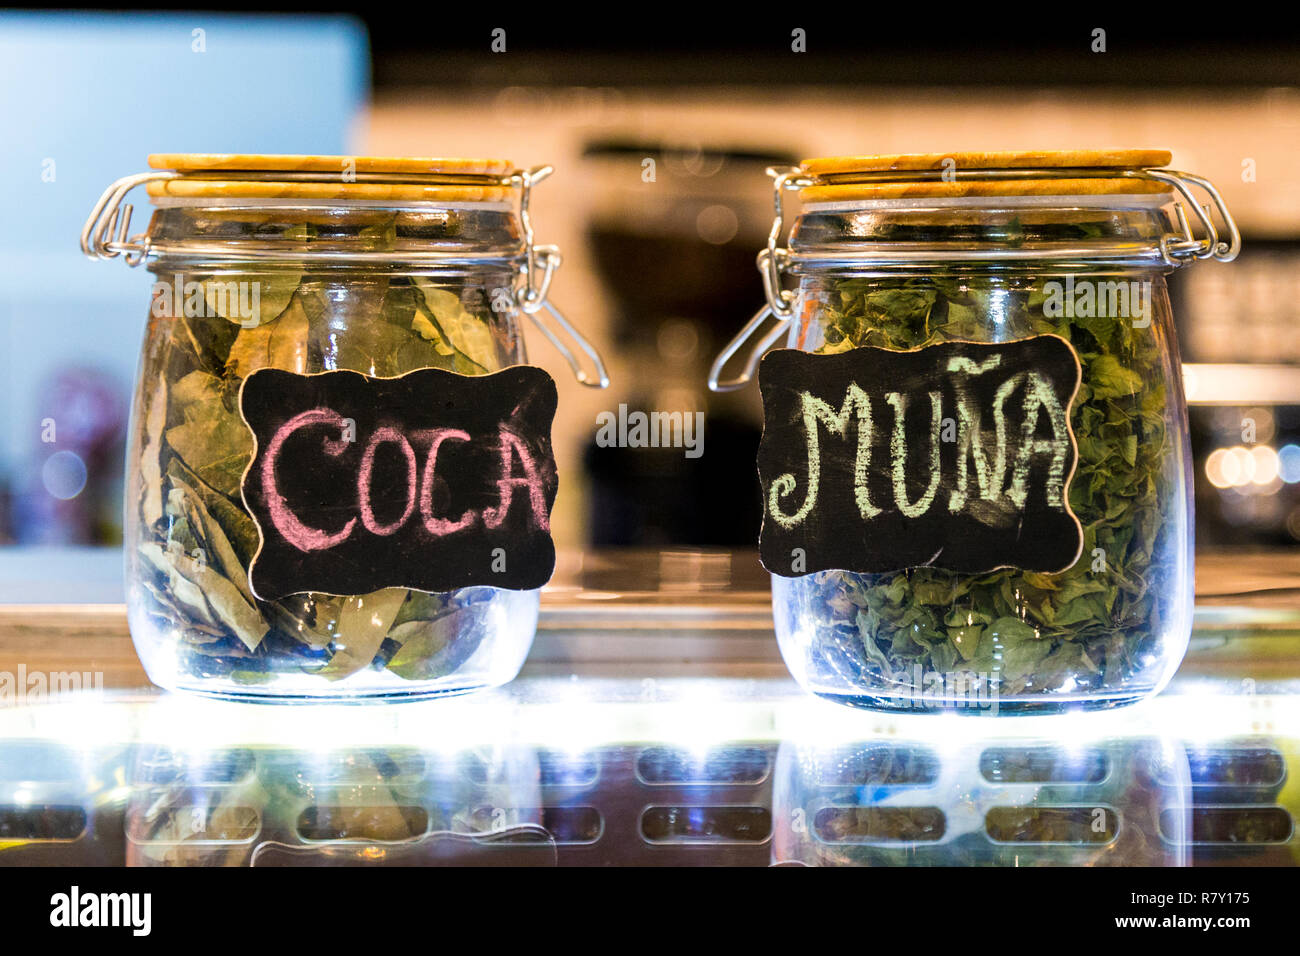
[330, 786]
[310, 265]
[961, 261]
[890, 801]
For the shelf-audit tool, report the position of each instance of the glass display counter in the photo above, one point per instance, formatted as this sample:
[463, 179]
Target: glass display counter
[655, 726]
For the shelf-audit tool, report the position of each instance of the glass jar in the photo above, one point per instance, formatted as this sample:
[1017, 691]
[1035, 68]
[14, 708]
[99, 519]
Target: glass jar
[310, 265]
[902, 253]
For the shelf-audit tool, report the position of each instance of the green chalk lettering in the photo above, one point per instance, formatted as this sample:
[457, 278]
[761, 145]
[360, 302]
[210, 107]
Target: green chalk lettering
[815, 410]
[970, 436]
[1039, 397]
[898, 450]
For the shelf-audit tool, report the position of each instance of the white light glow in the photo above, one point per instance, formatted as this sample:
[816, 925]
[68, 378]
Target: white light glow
[1245, 462]
[1265, 464]
[1262, 466]
[1216, 469]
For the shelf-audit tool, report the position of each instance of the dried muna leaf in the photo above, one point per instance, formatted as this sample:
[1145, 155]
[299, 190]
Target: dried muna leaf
[1108, 378]
[966, 639]
[1039, 631]
[1009, 631]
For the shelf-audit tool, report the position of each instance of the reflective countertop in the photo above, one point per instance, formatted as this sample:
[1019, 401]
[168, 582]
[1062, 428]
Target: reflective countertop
[657, 727]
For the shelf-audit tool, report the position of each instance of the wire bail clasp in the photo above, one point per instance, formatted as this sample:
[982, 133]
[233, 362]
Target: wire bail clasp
[771, 263]
[106, 233]
[1188, 246]
[536, 272]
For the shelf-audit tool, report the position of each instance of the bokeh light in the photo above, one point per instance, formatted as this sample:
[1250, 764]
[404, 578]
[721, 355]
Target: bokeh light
[64, 475]
[1288, 464]
[1265, 465]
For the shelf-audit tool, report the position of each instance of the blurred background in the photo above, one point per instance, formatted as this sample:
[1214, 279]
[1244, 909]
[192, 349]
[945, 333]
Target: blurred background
[659, 269]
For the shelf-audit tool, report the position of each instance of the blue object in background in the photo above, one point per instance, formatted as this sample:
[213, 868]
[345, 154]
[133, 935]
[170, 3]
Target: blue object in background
[84, 97]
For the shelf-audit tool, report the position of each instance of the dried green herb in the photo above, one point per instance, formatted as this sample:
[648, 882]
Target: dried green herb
[195, 538]
[1081, 630]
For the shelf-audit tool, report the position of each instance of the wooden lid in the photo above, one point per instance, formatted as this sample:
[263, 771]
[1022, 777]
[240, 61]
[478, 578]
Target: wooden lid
[847, 178]
[252, 177]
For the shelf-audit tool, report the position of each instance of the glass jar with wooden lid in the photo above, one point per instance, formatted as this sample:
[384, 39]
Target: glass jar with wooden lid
[975, 463]
[339, 474]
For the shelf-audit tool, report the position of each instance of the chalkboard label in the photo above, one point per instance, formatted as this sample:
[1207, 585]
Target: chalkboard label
[955, 456]
[431, 481]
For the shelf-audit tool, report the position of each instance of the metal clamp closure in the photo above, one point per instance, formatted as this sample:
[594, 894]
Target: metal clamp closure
[106, 235]
[1175, 250]
[772, 263]
[772, 260]
[536, 272]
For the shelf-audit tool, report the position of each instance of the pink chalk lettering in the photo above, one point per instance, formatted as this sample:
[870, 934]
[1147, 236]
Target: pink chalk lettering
[301, 536]
[530, 481]
[380, 437]
[436, 525]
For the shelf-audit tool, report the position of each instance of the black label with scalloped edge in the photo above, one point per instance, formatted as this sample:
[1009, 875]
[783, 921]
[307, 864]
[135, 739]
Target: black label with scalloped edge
[956, 456]
[431, 480]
